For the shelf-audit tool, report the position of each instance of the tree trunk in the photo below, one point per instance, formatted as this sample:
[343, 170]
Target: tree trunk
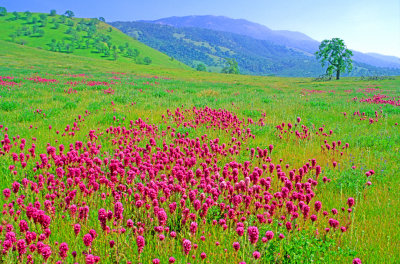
[338, 74]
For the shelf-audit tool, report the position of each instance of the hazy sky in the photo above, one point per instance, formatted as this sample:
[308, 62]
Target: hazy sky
[365, 25]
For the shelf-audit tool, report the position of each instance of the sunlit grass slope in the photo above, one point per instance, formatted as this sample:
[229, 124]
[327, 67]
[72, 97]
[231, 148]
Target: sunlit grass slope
[79, 37]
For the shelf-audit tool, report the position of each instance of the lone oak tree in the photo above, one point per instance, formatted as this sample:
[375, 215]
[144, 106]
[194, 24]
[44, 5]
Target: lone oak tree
[69, 14]
[334, 53]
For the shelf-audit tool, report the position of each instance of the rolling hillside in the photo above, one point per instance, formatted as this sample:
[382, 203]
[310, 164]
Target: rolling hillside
[243, 27]
[82, 37]
[254, 56]
[29, 59]
[291, 39]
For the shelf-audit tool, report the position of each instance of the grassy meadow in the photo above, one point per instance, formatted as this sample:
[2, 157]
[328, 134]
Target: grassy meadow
[131, 132]
[88, 38]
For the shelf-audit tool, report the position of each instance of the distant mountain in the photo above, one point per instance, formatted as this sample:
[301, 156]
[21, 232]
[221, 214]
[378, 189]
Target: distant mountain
[377, 60]
[389, 59]
[243, 27]
[254, 56]
[286, 38]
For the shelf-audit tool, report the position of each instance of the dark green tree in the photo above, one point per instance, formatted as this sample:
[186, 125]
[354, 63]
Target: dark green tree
[94, 21]
[69, 31]
[69, 14]
[108, 43]
[28, 32]
[40, 33]
[35, 29]
[62, 19]
[69, 47]
[100, 47]
[102, 19]
[60, 46]
[16, 15]
[201, 67]
[53, 45]
[28, 15]
[147, 60]
[53, 12]
[3, 11]
[132, 52]
[91, 31]
[231, 66]
[129, 52]
[23, 42]
[334, 54]
[43, 20]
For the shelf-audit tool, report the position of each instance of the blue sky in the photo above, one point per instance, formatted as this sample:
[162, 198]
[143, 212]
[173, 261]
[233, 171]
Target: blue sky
[365, 25]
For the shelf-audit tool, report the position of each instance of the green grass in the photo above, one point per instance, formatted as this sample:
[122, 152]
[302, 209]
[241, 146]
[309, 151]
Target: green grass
[375, 234]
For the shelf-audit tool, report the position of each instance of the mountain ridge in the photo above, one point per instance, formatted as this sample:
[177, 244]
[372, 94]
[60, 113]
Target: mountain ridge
[257, 57]
[291, 39]
[241, 27]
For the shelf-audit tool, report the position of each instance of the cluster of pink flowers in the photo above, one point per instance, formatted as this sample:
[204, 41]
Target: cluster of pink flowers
[187, 246]
[371, 119]
[140, 243]
[380, 99]
[5, 83]
[160, 178]
[369, 89]
[253, 234]
[302, 132]
[38, 79]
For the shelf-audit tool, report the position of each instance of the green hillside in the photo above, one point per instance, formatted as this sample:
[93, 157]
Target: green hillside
[15, 56]
[79, 36]
[194, 46]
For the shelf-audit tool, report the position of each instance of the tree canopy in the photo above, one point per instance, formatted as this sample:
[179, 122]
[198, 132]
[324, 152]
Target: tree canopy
[231, 66]
[335, 54]
[69, 13]
[3, 11]
[201, 67]
[147, 60]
